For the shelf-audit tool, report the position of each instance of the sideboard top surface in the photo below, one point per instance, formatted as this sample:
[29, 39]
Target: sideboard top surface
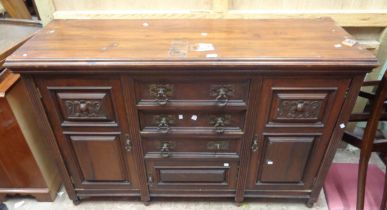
[174, 42]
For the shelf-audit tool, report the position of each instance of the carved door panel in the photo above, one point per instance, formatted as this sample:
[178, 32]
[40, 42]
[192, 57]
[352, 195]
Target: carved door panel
[296, 119]
[91, 128]
[284, 158]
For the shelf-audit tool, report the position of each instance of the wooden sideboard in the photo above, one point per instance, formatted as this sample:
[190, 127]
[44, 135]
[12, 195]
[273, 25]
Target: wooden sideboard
[201, 108]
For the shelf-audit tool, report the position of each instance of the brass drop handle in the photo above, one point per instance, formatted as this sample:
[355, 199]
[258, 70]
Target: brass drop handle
[163, 126]
[217, 146]
[222, 98]
[300, 106]
[128, 143]
[164, 150]
[161, 97]
[254, 146]
[219, 125]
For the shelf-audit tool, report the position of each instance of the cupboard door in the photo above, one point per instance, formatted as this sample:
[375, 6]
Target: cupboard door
[91, 126]
[296, 117]
[285, 162]
[99, 158]
[285, 159]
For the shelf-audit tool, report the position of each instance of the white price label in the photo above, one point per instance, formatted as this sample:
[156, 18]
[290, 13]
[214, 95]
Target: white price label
[194, 117]
[342, 125]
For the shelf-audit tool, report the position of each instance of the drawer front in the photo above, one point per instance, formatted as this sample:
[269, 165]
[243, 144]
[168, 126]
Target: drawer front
[83, 107]
[217, 123]
[83, 102]
[168, 147]
[306, 103]
[194, 173]
[299, 106]
[213, 92]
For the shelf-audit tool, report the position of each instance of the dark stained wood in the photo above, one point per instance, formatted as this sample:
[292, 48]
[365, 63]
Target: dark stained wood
[184, 119]
[285, 159]
[218, 93]
[189, 125]
[90, 119]
[191, 171]
[192, 175]
[99, 157]
[205, 145]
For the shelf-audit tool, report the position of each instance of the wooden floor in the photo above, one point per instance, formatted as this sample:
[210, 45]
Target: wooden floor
[64, 203]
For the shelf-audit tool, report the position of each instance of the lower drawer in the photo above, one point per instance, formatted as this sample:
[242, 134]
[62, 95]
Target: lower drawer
[192, 173]
[168, 147]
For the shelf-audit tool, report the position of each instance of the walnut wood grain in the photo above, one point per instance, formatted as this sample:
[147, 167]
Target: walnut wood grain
[130, 43]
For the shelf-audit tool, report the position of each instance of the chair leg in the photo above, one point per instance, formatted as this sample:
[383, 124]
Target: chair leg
[384, 197]
[361, 179]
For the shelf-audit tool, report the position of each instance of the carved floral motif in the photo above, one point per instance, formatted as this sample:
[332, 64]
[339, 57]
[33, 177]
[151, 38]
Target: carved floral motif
[299, 109]
[84, 108]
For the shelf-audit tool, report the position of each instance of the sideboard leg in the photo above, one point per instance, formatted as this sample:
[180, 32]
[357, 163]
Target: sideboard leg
[310, 202]
[145, 200]
[239, 200]
[238, 203]
[77, 201]
[43, 197]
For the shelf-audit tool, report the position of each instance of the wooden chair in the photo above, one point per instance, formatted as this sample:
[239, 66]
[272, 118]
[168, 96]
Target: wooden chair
[374, 112]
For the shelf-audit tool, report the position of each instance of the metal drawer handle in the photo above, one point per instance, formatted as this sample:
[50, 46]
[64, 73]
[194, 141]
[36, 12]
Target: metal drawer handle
[164, 150]
[222, 93]
[161, 92]
[218, 145]
[219, 122]
[163, 126]
[219, 125]
[161, 97]
[222, 98]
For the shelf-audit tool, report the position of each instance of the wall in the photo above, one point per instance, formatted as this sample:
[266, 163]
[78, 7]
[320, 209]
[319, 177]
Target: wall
[346, 12]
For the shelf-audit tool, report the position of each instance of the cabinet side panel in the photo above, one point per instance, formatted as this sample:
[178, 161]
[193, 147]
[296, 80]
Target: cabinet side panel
[34, 137]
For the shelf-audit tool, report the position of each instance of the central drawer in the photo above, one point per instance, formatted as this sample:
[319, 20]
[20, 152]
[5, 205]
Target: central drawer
[188, 174]
[217, 123]
[169, 147]
[188, 91]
